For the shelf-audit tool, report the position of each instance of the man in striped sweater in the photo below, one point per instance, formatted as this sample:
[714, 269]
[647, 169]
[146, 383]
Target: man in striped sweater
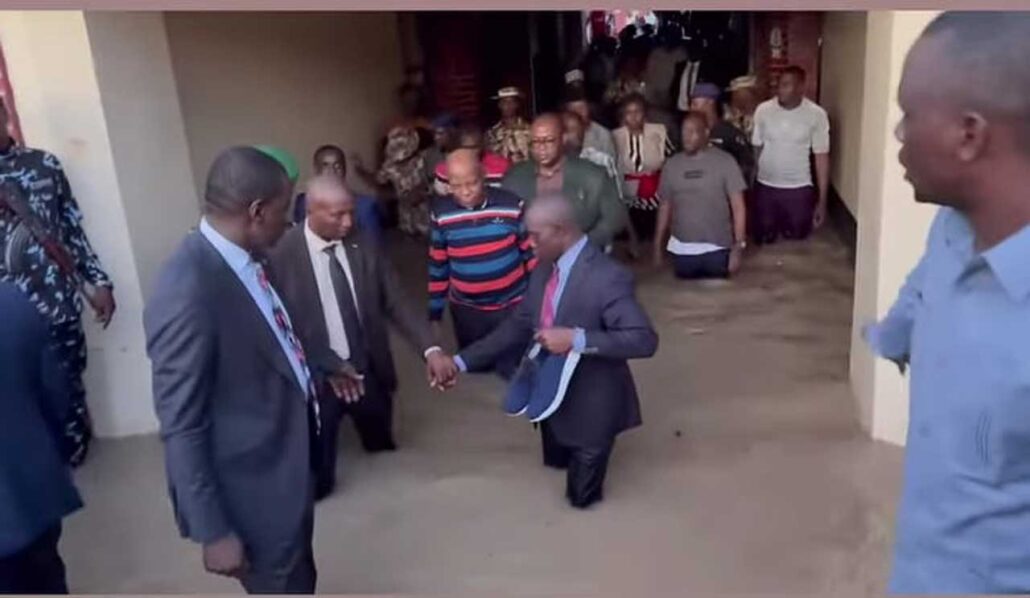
[494, 166]
[479, 255]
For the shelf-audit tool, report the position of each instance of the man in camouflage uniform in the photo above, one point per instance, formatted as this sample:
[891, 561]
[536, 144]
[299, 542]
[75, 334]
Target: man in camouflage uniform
[509, 137]
[25, 263]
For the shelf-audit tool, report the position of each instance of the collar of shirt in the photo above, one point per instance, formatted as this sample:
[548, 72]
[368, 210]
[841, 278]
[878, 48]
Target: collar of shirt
[317, 243]
[568, 259]
[234, 255]
[1008, 260]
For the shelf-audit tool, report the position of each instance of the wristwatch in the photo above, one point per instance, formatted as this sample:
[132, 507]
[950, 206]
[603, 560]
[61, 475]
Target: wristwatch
[741, 244]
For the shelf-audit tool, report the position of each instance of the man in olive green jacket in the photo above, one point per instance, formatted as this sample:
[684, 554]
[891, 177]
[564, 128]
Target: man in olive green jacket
[599, 212]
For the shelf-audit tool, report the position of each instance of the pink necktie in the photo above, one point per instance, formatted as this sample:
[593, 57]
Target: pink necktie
[547, 310]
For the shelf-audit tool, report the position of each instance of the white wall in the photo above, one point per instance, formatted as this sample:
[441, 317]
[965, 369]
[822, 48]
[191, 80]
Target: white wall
[297, 80]
[59, 100]
[891, 226]
[842, 83]
[141, 105]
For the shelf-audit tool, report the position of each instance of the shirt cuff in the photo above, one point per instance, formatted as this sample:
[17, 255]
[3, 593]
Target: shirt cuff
[431, 350]
[579, 341]
[458, 361]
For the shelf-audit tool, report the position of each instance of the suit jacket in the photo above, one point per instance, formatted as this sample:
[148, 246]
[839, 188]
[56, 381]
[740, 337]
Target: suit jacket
[36, 489]
[594, 195]
[380, 300]
[601, 400]
[234, 420]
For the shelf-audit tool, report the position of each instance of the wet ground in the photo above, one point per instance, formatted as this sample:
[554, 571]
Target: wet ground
[749, 475]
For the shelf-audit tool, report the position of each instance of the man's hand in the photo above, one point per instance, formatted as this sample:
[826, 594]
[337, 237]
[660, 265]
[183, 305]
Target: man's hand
[102, 302]
[556, 340]
[226, 557]
[819, 216]
[347, 384]
[736, 257]
[441, 371]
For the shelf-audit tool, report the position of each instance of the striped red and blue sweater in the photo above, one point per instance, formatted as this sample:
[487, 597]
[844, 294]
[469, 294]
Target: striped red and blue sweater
[478, 257]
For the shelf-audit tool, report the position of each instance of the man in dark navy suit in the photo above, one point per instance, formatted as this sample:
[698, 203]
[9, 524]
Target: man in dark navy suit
[36, 490]
[579, 300]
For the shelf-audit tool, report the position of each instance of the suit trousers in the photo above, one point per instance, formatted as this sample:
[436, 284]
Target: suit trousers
[585, 467]
[296, 574]
[471, 324]
[373, 420]
[35, 569]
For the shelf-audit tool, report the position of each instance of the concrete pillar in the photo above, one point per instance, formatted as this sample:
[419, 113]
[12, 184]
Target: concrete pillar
[98, 91]
[891, 226]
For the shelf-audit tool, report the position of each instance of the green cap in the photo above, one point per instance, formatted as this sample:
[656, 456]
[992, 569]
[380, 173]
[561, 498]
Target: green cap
[284, 158]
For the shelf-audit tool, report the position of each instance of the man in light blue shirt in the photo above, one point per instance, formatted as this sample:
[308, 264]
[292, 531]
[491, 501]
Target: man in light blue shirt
[232, 390]
[247, 271]
[962, 318]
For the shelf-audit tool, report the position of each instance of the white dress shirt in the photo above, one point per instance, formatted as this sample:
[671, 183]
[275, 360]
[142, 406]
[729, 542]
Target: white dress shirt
[326, 293]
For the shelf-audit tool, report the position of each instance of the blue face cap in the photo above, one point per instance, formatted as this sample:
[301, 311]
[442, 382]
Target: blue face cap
[706, 90]
[445, 121]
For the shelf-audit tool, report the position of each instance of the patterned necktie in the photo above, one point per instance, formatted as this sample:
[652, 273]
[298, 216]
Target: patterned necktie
[283, 323]
[547, 311]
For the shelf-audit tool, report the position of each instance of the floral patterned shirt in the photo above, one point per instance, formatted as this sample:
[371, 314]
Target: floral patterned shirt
[42, 179]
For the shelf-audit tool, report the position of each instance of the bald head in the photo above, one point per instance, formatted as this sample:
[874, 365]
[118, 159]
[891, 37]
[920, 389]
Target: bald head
[552, 226]
[463, 162]
[465, 177]
[990, 50]
[553, 210]
[330, 207]
[240, 176]
[978, 61]
[326, 189]
[548, 122]
[965, 99]
[547, 132]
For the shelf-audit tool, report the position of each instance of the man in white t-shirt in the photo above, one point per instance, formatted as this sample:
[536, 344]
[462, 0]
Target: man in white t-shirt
[788, 130]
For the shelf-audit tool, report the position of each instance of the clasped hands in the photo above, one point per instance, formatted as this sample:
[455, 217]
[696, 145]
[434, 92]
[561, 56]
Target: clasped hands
[442, 371]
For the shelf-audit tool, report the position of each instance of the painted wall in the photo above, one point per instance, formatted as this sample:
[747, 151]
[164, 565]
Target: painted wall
[891, 226]
[297, 80]
[843, 69]
[50, 60]
[147, 134]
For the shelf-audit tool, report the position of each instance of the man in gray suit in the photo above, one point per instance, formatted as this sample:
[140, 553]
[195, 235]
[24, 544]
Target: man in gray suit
[578, 299]
[342, 292]
[232, 388]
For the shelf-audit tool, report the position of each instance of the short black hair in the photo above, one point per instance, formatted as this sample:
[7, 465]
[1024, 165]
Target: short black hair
[990, 51]
[240, 176]
[795, 70]
[325, 149]
[633, 98]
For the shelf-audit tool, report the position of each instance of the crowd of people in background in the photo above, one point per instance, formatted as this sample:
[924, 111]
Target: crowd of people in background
[268, 324]
[264, 339]
[630, 102]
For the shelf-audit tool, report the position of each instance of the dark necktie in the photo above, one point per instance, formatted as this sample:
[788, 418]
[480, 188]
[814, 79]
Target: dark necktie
[348, 311]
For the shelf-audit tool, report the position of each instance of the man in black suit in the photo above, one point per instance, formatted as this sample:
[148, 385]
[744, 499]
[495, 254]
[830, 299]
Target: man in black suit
[36, 489]
[578, 300]
[342, 292]
[231, 385]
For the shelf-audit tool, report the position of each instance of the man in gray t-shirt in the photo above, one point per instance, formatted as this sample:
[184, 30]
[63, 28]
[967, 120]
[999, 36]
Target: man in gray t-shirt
[702, 201]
